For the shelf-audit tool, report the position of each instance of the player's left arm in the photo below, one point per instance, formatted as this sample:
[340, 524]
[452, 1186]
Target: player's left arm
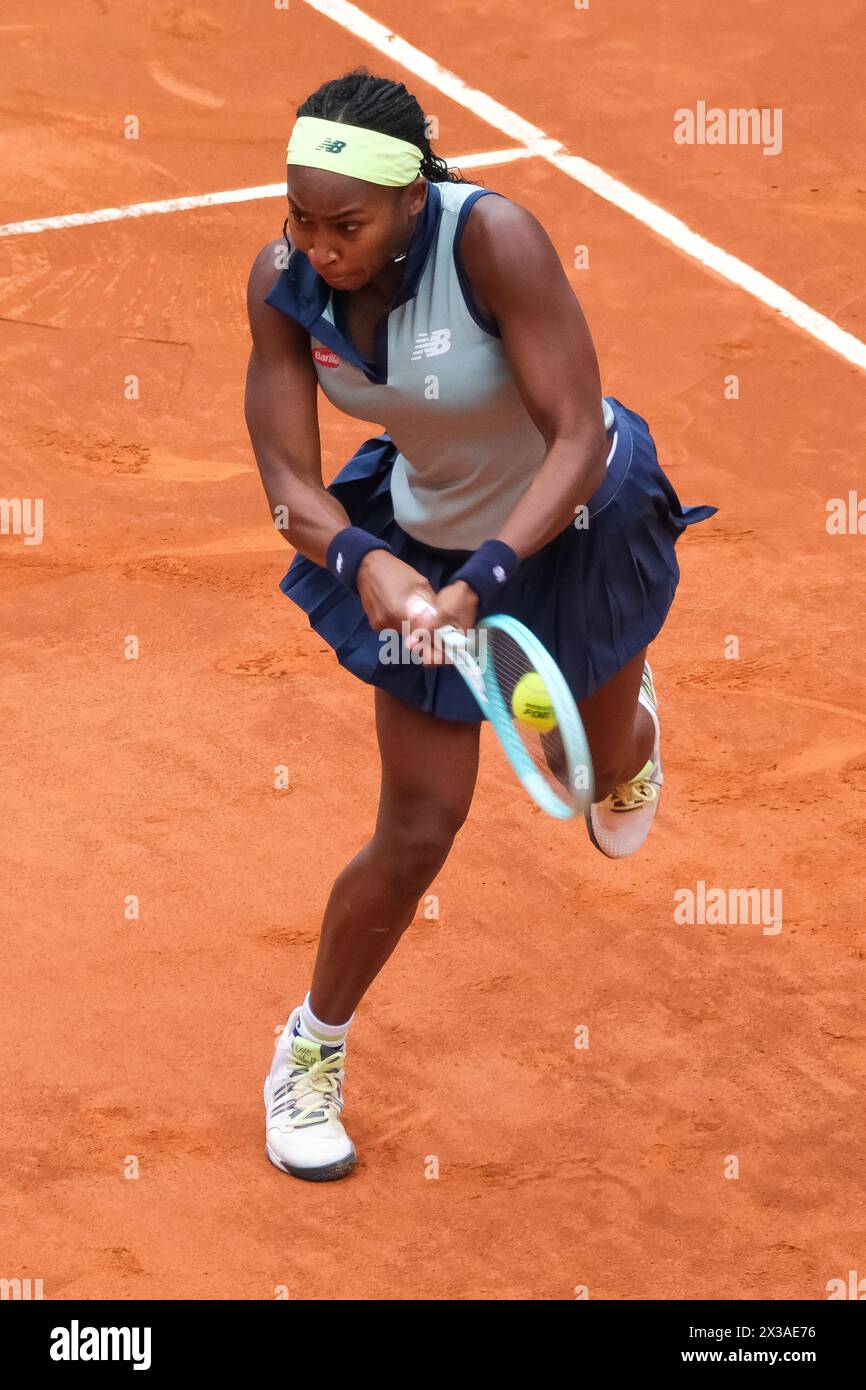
[513, 266]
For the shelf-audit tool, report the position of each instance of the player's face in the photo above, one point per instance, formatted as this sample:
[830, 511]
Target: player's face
[349, 229]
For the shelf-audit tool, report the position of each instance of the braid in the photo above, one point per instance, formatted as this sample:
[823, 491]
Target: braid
[377, 103]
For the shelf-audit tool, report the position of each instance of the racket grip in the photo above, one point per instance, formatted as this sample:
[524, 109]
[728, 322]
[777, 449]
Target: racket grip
[452, 639]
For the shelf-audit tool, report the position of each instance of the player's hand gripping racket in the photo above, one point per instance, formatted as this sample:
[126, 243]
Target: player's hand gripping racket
[524, 694]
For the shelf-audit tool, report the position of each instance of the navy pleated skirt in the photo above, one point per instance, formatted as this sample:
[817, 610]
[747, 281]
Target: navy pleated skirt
[595, 596]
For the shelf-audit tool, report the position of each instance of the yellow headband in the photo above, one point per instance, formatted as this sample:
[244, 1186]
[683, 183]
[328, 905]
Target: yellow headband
[350, 149]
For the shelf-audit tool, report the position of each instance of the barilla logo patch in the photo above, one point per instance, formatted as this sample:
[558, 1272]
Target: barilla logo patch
[325, 357]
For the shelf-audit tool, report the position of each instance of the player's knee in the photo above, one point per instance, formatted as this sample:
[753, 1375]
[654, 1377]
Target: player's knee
[418, 844]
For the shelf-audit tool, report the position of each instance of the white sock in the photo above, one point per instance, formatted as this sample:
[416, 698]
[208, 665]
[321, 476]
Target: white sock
[312, 1028]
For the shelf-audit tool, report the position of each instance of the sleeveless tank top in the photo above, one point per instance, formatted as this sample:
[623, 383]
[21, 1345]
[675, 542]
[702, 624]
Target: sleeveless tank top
[439, 382]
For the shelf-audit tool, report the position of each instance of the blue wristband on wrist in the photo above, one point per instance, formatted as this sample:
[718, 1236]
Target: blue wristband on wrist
[346, 551]
[488, 569]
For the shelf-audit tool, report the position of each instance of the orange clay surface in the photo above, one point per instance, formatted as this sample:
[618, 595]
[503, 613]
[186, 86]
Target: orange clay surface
[558, 1167]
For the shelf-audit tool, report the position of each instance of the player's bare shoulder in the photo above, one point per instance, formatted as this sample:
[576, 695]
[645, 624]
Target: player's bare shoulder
[269, 328]
[266, 268]
[497, 221]
[501, 241]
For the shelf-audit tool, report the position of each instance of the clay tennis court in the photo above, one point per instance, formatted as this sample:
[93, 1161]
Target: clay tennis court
[143, 1040]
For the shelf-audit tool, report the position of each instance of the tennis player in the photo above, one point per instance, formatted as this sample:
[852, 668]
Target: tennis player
[504, 483]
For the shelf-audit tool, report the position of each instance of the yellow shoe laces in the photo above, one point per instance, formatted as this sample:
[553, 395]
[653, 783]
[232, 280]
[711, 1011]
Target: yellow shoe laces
[636, 792]
[316, 1081]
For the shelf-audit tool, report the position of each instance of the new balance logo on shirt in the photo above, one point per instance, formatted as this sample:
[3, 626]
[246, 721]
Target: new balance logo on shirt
[426, 345]
[432, 344]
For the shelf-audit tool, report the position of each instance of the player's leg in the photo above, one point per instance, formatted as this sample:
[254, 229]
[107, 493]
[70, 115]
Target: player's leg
[619, 730]
[622, 728]
[429, 768]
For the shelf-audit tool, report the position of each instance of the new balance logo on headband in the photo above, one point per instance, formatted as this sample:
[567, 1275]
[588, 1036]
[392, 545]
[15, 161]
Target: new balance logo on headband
[432, 344]
[332, 146]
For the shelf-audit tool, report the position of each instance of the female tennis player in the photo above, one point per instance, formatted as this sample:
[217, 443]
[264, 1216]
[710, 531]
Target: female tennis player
[504, 483]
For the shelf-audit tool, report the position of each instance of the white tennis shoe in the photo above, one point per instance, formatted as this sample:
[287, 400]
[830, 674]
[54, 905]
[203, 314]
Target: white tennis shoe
[620, 823]
[303, 1094]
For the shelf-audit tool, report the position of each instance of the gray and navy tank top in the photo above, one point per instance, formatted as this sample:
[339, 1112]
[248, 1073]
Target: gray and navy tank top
[439, 382]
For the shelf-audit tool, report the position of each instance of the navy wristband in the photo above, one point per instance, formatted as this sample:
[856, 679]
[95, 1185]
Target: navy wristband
[346, 551]
[488, 569]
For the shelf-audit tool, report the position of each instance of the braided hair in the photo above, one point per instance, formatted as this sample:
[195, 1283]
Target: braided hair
[377, 103]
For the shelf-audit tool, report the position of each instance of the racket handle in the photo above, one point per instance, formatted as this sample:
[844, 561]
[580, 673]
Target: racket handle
[452, 639]
[457, 648]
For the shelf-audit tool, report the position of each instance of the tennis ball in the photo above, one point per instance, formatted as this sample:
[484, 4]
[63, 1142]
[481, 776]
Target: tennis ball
[531, 705]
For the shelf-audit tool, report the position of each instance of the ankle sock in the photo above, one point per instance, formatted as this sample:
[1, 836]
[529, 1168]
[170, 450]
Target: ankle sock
[312, 1028]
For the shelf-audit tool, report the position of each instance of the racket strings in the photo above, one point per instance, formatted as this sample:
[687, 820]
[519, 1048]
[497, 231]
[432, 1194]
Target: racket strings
[510, 664]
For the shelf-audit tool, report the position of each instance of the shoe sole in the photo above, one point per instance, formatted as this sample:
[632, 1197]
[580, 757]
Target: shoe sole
[328, 1172]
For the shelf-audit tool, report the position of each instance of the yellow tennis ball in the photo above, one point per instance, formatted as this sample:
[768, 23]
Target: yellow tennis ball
[531, 705]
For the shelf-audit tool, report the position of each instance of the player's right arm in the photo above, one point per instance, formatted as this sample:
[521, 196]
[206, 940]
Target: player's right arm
[282, 418]
[281, 412]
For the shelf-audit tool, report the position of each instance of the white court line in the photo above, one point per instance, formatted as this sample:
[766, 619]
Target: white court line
[664, 224]
[534, 142]
[211, 200]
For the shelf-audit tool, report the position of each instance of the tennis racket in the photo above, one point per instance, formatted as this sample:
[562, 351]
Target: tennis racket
[553, 762]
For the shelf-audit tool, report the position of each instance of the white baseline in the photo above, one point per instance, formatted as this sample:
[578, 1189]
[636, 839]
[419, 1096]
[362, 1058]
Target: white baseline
[210, 200]
[664, 224]
[534, 142]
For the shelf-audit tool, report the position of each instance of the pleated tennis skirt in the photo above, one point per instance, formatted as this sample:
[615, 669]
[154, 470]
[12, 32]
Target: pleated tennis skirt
[595, 595]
